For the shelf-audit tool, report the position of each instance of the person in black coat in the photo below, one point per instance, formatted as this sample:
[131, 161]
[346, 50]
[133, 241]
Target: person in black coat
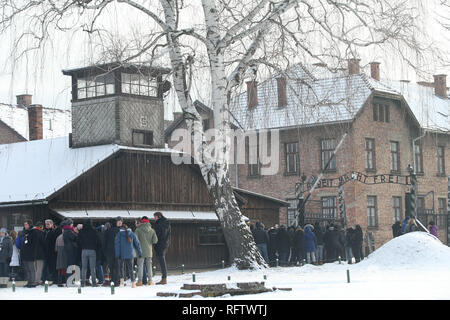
[41, 248]
[297, 245]
[112, 261]
[51, 232]
[284, 244]
[162, 229]
[88, 241]
[318, 231]
[272, 248]
[356, 243]
[26, 246]
[70, 241]
[396, 229]
[333, 245]
[261, 240]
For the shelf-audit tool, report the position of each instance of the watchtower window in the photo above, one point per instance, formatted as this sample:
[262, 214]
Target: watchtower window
[142, 138]
[139, 84]
[95, 86]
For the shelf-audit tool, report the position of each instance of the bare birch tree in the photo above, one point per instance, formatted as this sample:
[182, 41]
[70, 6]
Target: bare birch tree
[227, 41]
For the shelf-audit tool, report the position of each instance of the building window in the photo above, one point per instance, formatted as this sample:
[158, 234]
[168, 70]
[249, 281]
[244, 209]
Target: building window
[292, 158]
[211, 235]
[95, 86]
[420, 205]
[370, 154]
[205, 123]
[142, 138]
[372, 220]
[397, 207]
[418, 158]
[327, 148]
[441, 160]
[139, 84]
[395, 156]
[254, 165]
[381, 112]
[291, 212]
[329, 207]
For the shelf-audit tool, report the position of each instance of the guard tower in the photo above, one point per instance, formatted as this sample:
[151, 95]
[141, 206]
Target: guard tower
[115, 103]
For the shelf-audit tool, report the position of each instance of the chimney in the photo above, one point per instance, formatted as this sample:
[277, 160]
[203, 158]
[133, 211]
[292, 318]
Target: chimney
[353, 66]
[24, 100]
[375, 70]
[176, 115]
[252, 94]
[35, 122]
[281, 88]
[440, 85]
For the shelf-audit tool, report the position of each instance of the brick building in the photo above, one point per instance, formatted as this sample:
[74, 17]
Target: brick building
[313, 108]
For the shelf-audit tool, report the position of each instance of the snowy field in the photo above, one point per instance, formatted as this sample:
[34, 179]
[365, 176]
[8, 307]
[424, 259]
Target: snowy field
[414, 266]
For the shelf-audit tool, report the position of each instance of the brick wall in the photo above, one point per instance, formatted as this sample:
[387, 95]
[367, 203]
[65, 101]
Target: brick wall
[351, 157]
[8, 135]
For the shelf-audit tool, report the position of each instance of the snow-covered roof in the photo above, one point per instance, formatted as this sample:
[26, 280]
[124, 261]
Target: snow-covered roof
[308, 103]
[34, 170]
[431, 111]
[319, 96]
[187, 215]
[55, 122]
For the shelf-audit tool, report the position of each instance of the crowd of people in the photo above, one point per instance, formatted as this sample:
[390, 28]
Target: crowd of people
[315, 244]
[106, 254]
[409, 224]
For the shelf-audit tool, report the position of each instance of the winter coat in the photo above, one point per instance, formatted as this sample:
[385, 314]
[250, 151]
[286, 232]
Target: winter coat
[88, 238]
[109, 242]
[50, 239]
[404, 225]
[349, 234]
[34, 246]
[272, 247]
[123, 248]
[260, 235]
[15, 258]
[434, 230]
[358, 236]
[101, 248]
[298, 239]
[70, 244]
[162, 229]
[396, 229]
[319, 235]
[411, 228]
[6, 249]
[283, 240]
[147, 238]
[332, 239]
[309, 240]
[61, 258]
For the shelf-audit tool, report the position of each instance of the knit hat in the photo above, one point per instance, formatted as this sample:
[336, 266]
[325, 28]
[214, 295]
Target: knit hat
[119, 219]
[3, 230]
[145, 219]
[66, 222]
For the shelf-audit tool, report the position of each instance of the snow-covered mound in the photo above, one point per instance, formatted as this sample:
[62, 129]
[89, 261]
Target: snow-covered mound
[415, 249]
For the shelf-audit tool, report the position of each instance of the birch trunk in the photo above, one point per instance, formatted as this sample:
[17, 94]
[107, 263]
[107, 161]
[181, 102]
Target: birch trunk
[242, 248]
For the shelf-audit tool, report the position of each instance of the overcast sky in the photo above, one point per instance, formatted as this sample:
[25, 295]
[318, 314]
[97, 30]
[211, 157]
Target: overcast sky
[39, 72]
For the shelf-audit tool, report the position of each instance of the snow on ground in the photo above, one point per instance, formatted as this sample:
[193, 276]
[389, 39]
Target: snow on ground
[414, 266]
